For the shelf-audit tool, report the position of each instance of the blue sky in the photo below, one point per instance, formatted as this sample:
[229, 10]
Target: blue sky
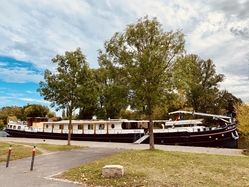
[19, 81]
[33, 32]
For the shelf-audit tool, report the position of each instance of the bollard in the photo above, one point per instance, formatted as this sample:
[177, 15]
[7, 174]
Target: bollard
[8, 158]
[33, 158]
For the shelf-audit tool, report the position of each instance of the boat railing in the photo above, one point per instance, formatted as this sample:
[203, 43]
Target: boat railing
[214, 116]
[177, 129]
[184, 129]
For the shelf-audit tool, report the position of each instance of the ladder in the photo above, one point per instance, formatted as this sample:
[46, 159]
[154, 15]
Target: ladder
[140, 140]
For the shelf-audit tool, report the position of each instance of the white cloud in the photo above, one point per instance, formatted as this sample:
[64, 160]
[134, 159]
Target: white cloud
[19, 75]
[35, 31]
[34, 100]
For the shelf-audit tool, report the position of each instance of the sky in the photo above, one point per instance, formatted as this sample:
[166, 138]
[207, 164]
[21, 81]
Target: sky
[33, 32]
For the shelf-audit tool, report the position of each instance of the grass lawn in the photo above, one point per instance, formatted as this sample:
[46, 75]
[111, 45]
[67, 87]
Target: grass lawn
[24, 150]
[164, 168]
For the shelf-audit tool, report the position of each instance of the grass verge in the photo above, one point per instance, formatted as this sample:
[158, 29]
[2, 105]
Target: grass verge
[161, 168]
[24, 150]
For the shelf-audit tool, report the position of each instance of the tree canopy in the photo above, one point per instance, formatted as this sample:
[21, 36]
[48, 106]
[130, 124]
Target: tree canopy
[113, 94]
[72, 85]
[36, 110]
[199, 81]
[7, 111]
[143, 57]
[242, 116]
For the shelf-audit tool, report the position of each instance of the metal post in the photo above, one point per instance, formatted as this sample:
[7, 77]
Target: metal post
[8, 158]
[33, 158]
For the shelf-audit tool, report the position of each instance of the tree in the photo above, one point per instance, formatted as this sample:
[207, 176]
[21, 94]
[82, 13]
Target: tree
[72, 85]
[242, 117]
[86, 112]
[36, 110]
[228, 102]
[6, 112]
[63, 113]
[113, 94]
[143, 56]
[199, 81]
[51, 114]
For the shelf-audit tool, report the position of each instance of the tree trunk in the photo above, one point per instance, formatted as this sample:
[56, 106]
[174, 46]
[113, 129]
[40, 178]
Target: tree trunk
[151, 133]
[69, 128]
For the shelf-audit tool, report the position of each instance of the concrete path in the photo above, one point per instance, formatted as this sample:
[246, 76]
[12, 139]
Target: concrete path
[131, 146]
[45, 166]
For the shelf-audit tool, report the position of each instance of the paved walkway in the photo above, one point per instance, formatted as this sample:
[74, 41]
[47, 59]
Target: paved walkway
[131, 146]
[45, 166]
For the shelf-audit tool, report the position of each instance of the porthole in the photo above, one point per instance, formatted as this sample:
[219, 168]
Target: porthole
[112, 126]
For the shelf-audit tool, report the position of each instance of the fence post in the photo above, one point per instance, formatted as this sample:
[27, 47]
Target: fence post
[33, 158]
[8, 158]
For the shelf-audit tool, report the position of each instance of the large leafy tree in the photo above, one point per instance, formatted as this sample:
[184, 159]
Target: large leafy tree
[242, 116]
[72, 85]
[86, 112]
[36, 110]
[113, 94]
[228, 102]
[143, 56]
[6, 112]
[199, 81]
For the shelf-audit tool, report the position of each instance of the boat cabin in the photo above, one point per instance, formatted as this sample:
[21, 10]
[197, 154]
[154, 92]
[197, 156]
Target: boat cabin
[33, 120]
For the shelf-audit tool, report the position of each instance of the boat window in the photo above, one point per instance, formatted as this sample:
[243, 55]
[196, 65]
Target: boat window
[90, 126]
[134, 125]
[11, 126]
[14, 127]
[101, 126]
[112, 126]
[79, 126]
[19, 127]
[46, 126]
[125, 125]
[61, 126]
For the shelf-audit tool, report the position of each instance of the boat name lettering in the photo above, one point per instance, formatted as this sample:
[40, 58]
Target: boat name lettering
[136, 130]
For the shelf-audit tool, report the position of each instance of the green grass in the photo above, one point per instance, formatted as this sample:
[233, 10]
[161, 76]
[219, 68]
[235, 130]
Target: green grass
[162, 168]
[24, 150]
[17, 152]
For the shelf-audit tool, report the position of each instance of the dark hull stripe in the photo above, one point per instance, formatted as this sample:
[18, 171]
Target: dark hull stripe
[177, 138]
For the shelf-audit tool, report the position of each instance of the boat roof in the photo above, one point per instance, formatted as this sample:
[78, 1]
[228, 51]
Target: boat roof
[83, 121]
